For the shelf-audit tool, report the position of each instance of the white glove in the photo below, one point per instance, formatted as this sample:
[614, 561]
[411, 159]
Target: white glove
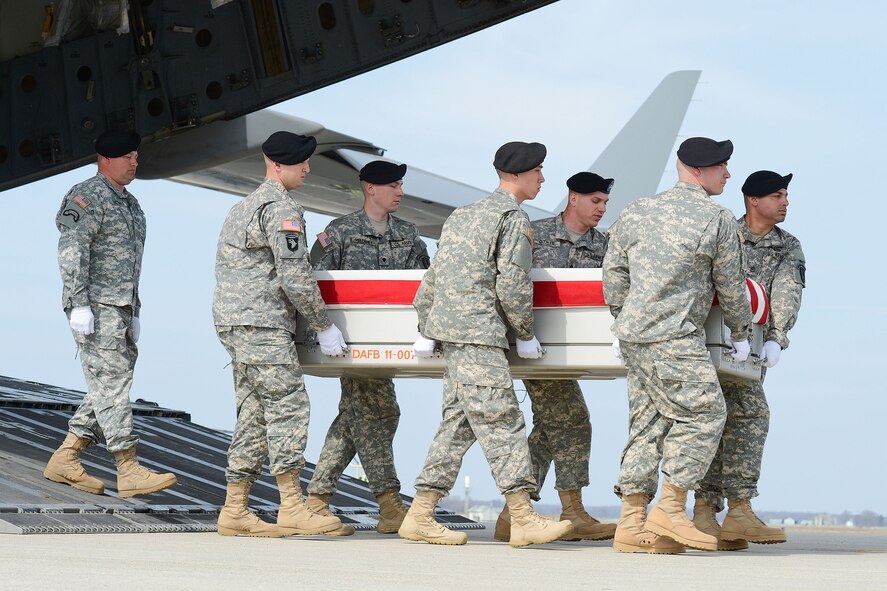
[741, 349]
[136, 328]
[529, 349]
[617, 350]
[424, 347]
[82, 320]
[331, 341]
[772, 351]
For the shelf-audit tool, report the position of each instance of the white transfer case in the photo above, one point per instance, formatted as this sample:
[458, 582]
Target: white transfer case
[374, 312]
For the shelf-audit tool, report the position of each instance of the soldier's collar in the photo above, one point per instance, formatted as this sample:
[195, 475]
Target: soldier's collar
[692, 187]
[771, 238]
[561, 232]
[366, 228]
[119, 192]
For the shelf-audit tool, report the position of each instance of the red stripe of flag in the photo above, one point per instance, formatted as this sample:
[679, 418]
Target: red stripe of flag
[546, 294]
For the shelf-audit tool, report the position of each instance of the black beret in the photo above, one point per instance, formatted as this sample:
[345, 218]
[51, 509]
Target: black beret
[518, 157]
[285, 147]
[765, 182]
[589, 182]
[115, 143]
[382, 172]
[702, 151]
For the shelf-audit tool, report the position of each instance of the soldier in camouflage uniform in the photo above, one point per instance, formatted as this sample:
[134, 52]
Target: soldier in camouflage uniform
[263, 279]
[772, 257]
[478, 285]
[369, 239]
[666, 257]
[100, 258]
[561, 425]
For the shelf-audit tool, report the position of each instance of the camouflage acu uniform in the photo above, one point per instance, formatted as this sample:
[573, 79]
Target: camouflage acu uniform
[666, 257]
[263, 278]
[368, 410]
[100, 259]
[777, 262]
[561, 425]
[478, 285]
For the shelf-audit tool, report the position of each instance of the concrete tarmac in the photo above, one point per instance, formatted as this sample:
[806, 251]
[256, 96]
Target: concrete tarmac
[812, 559]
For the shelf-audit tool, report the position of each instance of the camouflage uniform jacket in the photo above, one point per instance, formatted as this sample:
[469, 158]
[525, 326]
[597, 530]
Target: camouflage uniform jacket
[553, 247]
[262, 272]
[667, 255]
[101, 245]
[478, 283]
[352, 243]
[777, 262]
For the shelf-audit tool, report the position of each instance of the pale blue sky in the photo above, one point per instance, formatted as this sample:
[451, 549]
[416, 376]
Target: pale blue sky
[798, 87]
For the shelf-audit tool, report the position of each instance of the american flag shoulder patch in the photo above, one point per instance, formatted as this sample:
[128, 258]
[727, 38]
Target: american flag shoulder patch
[290, 226]
[324, 239]
[82, 200]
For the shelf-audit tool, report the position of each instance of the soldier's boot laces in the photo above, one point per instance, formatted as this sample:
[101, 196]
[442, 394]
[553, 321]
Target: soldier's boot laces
[391, 512]
[669, 518]
[419, 524]
[64, 466]
[133, 479]
[503, 525]
[235, 518]
[741, 523]
[320, 504]
[527, 526]
[585, 527]
[630, 535]
[294, 516]
[705, 519]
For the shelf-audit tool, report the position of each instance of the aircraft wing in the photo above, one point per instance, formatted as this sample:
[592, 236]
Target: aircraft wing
[227, 156]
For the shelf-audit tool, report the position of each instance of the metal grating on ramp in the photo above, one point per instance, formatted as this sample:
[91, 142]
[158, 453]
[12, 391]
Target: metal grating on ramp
[33, 421]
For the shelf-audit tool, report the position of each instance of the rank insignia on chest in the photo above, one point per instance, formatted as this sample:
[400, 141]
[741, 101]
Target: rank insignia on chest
[82, 200]
[290, 226]
[324, 239]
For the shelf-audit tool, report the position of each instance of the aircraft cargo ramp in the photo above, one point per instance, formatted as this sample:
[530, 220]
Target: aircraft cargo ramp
[33, 421]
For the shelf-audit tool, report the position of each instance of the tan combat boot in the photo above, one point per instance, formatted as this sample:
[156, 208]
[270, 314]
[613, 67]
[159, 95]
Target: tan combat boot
[527, 526]
[420, 526]
[293, 516]
[630, 534]
[391, 512]
[585, 527]
[741, 523]
[133, 479]
[669, 518]
[235, 518]
[503, 525]
[64, 466]
[320, 504]
[705, 519]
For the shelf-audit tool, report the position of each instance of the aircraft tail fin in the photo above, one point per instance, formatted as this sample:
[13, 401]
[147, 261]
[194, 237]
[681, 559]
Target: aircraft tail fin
[637, 156]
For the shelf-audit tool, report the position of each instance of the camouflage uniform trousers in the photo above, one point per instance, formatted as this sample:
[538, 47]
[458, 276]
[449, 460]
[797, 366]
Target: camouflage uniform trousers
[736, 469]
[272, 405]
[108, 357]
[676, 414]
[366, 423]
[479, 405]
[561, 433]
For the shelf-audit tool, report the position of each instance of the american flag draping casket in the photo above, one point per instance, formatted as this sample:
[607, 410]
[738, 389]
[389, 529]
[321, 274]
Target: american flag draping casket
[374, 311]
